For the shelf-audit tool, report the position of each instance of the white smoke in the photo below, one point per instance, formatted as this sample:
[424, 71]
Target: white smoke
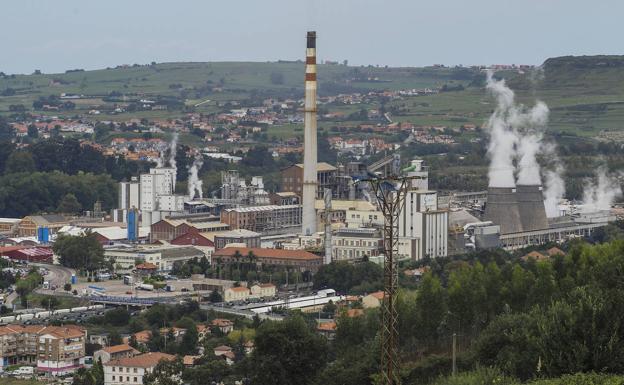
[502, 137]
[194, 183]
[601, 195]
[160, 162]
[172, 149]
[554, 190]
[517, 134]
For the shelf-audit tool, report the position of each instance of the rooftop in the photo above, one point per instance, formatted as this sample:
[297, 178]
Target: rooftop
[118, 348]
[146, 360]
[262, 208]
[320, 166]
[300, 255]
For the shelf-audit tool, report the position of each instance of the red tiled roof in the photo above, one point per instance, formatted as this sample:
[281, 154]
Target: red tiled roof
[118, 348]
[300, 255]
[327, 326]
[146, 360]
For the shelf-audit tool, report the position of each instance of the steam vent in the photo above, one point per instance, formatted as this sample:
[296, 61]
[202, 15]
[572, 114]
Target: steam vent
[502, 208]
[531, 207]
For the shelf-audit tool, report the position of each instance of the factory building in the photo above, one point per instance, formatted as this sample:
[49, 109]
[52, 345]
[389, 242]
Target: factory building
[292, 179]
[423, 227]
[235, 189]
[266, 220]
[153, 193]
[353, 244]
[29, 225]
[163, 256]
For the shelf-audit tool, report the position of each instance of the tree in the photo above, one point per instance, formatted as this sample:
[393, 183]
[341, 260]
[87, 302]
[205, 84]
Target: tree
[114, 338]
[215, 297]
[83, 252]
[33, 132]
[69, 204]
[6, 130]
[67, 287]
[166, 372]
[19, 161]
[118, 316]
[287, 352]
[188, 344]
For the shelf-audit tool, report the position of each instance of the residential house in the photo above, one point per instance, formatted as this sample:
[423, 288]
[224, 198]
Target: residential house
[373, 300]
[130, 370]
[327, 329]
[115, 352]
[224, 325]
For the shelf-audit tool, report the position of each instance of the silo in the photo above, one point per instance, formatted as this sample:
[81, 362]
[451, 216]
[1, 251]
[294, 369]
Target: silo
[502, 209]
[531, 207]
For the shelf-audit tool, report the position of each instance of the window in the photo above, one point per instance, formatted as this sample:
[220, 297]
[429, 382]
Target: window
[113, 371]
[135, 370]
[127, 370]
[135, 379]
[127, 378]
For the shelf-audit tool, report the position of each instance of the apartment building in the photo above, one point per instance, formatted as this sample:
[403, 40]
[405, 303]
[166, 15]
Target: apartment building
[57, 350]
[130, 370]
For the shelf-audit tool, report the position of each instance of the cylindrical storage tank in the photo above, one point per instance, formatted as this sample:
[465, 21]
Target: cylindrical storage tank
[502, 209]
[531, 207]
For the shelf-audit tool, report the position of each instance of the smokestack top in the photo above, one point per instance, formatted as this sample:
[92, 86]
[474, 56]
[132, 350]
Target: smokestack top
[311, 39]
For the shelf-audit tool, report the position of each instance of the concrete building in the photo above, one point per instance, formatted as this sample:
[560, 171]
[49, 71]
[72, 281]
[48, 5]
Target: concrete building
[263, 290]
[163, 256]
[236, 294]
[130, 370]
[248, 238]
[116, 352]
[264, 219]
[422, 226]
[353, 244]
[129, 194]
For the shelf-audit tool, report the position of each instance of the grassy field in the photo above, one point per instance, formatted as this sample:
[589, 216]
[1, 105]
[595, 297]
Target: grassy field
[585, 95]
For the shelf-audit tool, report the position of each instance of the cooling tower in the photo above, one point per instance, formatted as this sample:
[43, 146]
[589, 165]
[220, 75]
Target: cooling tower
[309, 139]
[531, 207]
[502, 209]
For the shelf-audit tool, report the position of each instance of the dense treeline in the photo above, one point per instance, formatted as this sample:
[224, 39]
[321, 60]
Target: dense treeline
[58, 175]
[30, 193]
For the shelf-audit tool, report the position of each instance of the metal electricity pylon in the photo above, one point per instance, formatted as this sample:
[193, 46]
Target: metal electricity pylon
[390, 193]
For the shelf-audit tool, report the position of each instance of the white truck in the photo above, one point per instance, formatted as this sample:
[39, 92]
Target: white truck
[145, 286]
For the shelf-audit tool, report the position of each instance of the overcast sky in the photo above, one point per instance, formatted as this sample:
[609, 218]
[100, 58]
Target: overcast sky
[55, 35]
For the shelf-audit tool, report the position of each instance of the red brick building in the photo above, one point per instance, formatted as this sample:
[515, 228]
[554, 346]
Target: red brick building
[193, 238]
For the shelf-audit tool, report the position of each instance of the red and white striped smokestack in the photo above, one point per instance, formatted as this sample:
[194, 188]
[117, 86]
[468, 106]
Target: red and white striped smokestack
[309, 139]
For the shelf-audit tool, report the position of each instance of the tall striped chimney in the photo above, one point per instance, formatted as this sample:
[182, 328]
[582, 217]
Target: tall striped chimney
[309, 139]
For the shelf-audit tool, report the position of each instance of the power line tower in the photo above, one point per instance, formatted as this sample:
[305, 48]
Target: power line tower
[390, 193]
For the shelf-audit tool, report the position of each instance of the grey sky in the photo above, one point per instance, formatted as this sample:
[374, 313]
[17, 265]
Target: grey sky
[55, 35]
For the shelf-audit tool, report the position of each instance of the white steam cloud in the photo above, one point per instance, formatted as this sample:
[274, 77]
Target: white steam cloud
[517, 135]
[194, 183]
[515, 132]
[172, 149]
[601, 195]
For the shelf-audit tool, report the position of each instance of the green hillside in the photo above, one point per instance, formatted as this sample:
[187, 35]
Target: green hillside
[585, 94]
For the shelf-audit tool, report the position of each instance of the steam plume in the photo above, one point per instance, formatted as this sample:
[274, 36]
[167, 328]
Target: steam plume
[172, 149]
[194, 183]
[601, 196]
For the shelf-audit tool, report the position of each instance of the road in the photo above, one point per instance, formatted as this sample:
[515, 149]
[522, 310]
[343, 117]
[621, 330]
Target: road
[57, 275]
